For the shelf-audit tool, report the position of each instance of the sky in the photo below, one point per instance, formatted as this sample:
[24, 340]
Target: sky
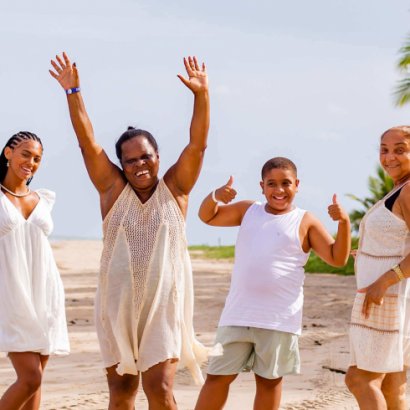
[312, 81]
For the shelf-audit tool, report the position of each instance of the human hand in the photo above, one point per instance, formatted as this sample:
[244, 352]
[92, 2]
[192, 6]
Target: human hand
[336, 212]
[374, 295]
[65, 72]
[226, 193]
[198, 78]
[353, 253]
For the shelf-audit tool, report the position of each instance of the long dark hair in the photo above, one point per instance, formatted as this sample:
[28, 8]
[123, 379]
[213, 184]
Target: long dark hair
[12, 143]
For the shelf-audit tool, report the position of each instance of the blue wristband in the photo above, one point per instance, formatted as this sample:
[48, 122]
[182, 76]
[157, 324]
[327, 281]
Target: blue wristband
[73, 90]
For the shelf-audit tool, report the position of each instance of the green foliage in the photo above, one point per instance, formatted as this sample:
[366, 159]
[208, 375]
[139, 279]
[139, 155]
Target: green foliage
[402, 91]
[314, 264]
[379, 187]
[212, 252]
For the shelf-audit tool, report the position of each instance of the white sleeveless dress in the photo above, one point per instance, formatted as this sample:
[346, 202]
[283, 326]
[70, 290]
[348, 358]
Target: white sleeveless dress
[144, 301]
[32, 313]
[380, 343]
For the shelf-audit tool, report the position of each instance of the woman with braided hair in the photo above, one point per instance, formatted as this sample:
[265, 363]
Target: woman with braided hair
[32, 315]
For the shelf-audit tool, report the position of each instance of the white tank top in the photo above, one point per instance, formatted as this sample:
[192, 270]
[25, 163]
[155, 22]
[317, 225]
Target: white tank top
[267, 280]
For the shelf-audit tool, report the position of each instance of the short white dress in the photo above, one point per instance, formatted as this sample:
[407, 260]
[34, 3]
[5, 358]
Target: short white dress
[32, 312]
[381, 342]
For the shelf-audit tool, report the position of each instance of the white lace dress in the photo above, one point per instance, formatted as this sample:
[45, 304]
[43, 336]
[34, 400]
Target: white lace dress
[144, 301]
[32, 312]
[380, 343]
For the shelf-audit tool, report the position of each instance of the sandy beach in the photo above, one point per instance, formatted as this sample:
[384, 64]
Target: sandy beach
[77, 381]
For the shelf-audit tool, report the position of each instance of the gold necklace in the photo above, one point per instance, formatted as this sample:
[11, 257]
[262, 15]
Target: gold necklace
[14, 194]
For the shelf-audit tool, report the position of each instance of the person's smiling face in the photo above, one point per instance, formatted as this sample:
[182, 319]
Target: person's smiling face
[140, 163]
[395, 154]
[279, 187]
[24, 159]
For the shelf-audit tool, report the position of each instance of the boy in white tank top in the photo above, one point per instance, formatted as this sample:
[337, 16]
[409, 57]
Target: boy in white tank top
[262, 317]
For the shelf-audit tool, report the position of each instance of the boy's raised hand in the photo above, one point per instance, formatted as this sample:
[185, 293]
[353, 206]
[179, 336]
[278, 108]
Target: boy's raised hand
[198, 78]
[226, 193]
[65, 72]
[336, 212]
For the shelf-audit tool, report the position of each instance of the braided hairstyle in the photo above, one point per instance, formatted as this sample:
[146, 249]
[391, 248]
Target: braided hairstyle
[15, 140]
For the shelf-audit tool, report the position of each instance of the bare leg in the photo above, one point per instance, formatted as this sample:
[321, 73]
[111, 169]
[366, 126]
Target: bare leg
[214, 392]
[123, 389]
[158, 382]
[366, 387]
[26, 389]
[394, 390]
[34, 402]
[268, 393]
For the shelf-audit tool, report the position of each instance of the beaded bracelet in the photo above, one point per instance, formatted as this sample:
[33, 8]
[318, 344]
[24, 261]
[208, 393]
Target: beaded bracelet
[398, 271]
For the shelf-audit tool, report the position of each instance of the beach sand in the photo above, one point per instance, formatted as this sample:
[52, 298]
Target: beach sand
[78, 381]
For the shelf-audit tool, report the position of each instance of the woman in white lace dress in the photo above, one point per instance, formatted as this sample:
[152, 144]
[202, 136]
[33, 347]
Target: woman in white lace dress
[32, 315]
[144, 301]
[380, 323]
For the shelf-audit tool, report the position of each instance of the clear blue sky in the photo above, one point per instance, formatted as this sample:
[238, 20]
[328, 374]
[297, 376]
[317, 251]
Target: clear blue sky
[309, 80]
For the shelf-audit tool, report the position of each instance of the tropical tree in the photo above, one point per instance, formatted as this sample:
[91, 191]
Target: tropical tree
[379, 186]
[402, 92]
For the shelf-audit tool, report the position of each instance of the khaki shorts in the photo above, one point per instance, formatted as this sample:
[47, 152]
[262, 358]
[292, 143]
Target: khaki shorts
[269, 353]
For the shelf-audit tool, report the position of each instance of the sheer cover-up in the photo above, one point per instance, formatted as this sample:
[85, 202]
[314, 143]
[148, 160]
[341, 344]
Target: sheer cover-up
[144, 301]
[32, 313]
[380, 343]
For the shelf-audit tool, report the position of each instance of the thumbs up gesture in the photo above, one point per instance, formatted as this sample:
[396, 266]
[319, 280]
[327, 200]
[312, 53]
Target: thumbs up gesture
[336, 212]
[226, 193]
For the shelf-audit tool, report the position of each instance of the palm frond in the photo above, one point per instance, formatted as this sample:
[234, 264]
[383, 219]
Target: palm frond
[404, 62]
[355, 198]
[379, 186]
[402, 91]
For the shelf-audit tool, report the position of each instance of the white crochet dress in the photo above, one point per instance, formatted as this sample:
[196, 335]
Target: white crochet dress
[144, 301]
[380, 343]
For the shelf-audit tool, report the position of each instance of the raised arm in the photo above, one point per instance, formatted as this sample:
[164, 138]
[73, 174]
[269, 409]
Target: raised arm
[214, 214]
[335, 252]
[182, 176]
[103, 173]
